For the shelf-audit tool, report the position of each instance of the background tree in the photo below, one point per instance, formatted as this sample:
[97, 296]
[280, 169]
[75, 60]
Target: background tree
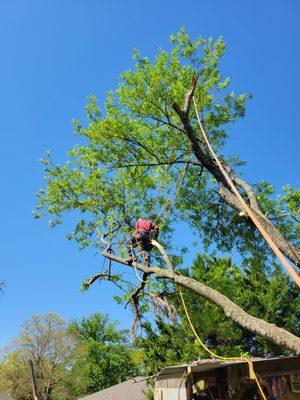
[14, 376]
[105, 356]
[45, 341]
[69, 360]
[144, 156]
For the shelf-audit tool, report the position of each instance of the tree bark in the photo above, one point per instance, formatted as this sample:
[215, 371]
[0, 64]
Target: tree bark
[257, 326]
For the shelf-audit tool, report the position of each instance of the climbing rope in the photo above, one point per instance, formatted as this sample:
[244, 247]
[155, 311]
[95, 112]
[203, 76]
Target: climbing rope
[246, 208]
[252, 374]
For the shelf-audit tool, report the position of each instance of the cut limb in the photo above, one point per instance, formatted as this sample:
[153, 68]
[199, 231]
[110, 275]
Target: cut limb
[257, 326]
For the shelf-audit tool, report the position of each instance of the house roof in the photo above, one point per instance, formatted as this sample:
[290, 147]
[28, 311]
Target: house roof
[133, 389]
[212, 364]
[4, 396]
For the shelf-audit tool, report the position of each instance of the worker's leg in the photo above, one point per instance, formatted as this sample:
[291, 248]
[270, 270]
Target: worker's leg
[146, 247]
[142, 239]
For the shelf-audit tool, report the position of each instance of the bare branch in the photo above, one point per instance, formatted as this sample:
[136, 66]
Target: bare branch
[135, 141]
[135, 303]
[93, 279]
[112, 278]
[156, 164]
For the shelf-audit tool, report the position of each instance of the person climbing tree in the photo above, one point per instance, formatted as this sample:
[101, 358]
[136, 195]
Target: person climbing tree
[142, 237]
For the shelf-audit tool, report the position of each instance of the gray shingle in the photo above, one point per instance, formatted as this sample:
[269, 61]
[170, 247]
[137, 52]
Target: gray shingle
[133, 389]
[5, 397]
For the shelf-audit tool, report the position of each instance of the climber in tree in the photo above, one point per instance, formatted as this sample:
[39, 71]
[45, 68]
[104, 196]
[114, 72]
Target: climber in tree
[142, 237]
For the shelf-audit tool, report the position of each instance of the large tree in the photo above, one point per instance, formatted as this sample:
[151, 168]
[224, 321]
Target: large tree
[145, 156]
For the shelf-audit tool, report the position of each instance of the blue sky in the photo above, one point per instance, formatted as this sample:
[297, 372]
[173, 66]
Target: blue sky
[56, 53]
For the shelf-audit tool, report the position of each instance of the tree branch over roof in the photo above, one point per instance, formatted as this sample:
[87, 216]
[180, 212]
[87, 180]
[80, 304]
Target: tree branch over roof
[279, 336]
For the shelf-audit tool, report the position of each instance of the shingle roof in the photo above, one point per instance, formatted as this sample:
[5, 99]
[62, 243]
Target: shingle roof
[5, 397]
[133, 389]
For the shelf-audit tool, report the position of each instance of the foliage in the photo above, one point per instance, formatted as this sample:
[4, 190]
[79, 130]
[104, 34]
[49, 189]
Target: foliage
[105, 357]
[131, 163]
[260, 293]
[45, 341]
[139, 127]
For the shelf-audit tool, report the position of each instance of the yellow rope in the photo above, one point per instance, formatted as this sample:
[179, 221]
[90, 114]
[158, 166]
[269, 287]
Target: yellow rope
[252, 373]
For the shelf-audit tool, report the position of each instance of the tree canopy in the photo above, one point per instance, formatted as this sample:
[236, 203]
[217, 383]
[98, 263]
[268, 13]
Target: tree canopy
[143, 156]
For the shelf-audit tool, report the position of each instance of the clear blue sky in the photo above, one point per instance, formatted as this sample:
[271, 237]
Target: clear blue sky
[55, 53]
